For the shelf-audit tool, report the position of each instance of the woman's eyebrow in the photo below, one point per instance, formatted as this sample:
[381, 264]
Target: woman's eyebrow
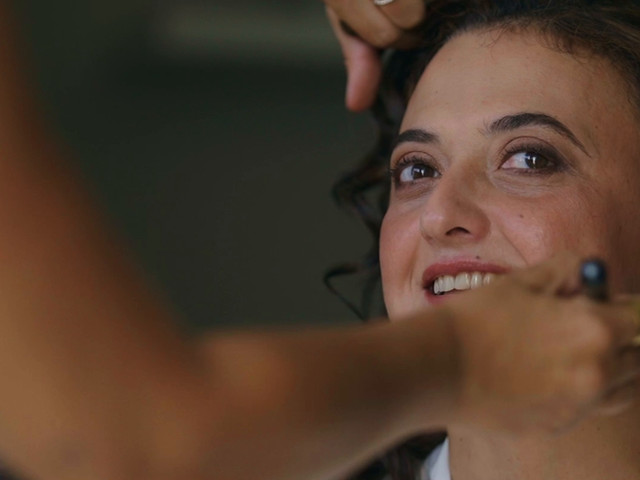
[416, 135]
[526, 119]
[502, 124]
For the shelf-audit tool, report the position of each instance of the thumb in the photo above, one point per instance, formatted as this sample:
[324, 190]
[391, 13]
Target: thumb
[557, 276]
[364, 70]
[363, 64]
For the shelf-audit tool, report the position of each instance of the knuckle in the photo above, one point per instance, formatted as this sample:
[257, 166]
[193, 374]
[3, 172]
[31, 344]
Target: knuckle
[407, 20]
[410, 22]
[384, 37]
[588, 382]
[592, 333]
[407, 14]
[598, 337]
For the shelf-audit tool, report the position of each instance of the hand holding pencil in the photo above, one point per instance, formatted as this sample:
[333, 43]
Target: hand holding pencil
[594, 280]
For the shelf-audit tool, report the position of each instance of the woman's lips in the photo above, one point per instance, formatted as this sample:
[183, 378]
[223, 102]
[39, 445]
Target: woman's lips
[452, 279]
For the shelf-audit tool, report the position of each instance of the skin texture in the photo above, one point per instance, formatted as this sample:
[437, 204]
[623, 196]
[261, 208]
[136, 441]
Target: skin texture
[470, 198]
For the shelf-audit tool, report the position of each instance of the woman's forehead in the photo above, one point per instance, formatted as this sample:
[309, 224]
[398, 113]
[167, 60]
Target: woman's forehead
[477, 76]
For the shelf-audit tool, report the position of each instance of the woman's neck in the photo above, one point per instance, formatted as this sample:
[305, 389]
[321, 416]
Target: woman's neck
[599, 447]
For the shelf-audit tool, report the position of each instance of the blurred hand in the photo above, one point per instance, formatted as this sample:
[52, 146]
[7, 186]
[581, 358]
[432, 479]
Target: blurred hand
[534, 355]
[373, 28]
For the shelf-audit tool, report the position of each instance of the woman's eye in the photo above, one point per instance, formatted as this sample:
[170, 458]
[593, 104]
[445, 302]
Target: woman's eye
[413, 172]
[528, 160]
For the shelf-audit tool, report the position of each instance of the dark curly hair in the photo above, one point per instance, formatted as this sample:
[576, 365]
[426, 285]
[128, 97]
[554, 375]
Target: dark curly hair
[605, 28]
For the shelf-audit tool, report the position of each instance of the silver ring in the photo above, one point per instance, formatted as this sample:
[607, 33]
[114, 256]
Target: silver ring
[382, 3]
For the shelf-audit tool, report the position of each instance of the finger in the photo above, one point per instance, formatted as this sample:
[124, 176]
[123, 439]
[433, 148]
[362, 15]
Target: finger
[622, 365]
[559, 275]
[626, 318]
[622, 392]
[618, 400]
[364, 70]
[621, 319]
[626, 298]
[633, 303]
[363, 64]
[405, 14]
[366, 19]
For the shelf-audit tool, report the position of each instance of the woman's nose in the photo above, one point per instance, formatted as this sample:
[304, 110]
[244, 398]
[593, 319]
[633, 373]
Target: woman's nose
[453, 213]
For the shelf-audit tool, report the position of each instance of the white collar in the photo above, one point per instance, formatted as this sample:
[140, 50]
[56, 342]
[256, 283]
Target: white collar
[436, 466]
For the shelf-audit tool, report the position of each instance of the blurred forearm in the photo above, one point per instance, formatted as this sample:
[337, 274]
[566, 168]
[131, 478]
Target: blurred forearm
[97, 382]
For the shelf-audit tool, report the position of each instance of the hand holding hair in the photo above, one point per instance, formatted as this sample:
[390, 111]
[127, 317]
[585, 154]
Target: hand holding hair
[363, 27]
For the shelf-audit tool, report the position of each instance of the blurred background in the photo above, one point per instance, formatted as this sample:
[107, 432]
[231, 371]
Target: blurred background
[212, 135]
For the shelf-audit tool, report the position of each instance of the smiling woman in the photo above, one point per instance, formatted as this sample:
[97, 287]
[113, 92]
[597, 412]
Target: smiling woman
[524, 151]
[511, 135]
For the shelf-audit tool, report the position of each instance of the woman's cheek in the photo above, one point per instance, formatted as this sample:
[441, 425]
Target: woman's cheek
[553, 224]
[399, 244]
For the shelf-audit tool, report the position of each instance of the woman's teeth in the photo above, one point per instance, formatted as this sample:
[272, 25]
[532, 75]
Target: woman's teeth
[462, 281]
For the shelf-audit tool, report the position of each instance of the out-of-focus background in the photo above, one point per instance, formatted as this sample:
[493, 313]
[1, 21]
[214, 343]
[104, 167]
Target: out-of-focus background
[212, 132]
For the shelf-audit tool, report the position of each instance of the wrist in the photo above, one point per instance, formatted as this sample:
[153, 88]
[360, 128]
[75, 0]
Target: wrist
[427, 371]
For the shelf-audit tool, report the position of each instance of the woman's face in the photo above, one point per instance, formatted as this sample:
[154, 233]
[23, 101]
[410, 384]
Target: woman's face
[508, 153]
